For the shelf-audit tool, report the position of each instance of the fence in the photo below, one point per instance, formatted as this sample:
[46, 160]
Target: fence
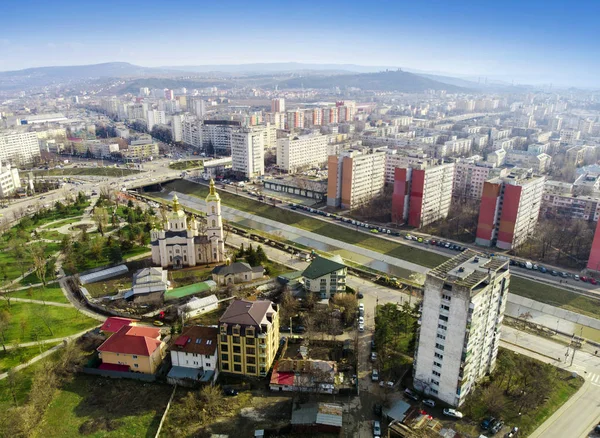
[120, 374]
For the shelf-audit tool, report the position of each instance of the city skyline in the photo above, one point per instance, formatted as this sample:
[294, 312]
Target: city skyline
[536, 42]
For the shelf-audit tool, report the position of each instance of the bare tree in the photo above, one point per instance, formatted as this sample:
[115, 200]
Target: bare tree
[37, 252]
[5, 318]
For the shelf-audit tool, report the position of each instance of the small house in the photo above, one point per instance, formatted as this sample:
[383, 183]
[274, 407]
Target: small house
[311, 418]
[114, 323]
[149, 286]
[237, 272]
[197, 306]
[325, 276]
[194, 356]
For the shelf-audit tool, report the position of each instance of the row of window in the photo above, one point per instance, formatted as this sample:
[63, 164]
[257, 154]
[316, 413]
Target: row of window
[250, 369]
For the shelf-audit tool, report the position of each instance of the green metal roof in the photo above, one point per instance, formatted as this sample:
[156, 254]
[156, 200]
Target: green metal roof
[321, 266]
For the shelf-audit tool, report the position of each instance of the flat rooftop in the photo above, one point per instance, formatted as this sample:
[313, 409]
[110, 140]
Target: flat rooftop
[468, 269]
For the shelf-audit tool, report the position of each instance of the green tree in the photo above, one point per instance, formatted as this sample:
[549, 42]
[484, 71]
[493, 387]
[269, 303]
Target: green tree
[261, 257]
[115, 255]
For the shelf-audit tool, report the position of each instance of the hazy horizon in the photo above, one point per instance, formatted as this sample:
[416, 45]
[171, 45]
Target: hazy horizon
[534, 42]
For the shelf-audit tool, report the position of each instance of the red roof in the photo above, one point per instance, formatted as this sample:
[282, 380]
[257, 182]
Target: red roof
[285, 379]
[181, 340]
[114, 324]
[113, 367]
[141, 341]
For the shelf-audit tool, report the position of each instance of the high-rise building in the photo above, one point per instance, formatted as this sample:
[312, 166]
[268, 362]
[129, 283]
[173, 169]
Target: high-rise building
[216, 135]
[144, 91]
[177, 127]
[249, 337]
[329, 115]
[276, 119]
[469, 176]
[278, 105]
[509, 209]
[463, 308]
[155, 117]
[199, 107]
[295, 152]
[248, 152]
[422, 194]
[9, 180]
[19, 147]
[593, 263]
[355, 177]
[169, 95]
[295, 119]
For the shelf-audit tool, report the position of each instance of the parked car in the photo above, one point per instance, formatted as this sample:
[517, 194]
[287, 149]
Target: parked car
[411, 394]
[576, 277]
[298, 329]
[429, 402]
[542, 269]
[361, 328]
[487, 422]
[584, 278]
[387, 384]
[564, 275]
[593, 281]
[497, 426]
[453, 413]
[361, 320]
[373, 356]
[515, 430]
[374, 375]
[554, 273]
[372, 344]
[376, 429]
[230, 392]
[360, 295]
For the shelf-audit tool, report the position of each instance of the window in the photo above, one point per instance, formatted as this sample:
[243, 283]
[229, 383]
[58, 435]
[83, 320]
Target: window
[237, 349]
[433, 391]
[444, 307]
[212, 209]
[134, 356]
[442, 326]
[135, 365]
[441, 336]
[208, 365]
[435, 382]
[439, 347]
[439, 356]
[207, 356]
[237, 358]
[437, 364]
[251, 359]
[249, 341]
[250, 350]
[251, 369]
[435, 373]
[443, 318]
[224, 357]
[225, 366]
[236, 339]
[237, 368]
[214, 223]
[446, 297]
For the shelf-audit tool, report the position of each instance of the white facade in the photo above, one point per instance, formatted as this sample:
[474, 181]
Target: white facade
[298, 151]
[177, 127]
[248, 152]
[155, 117]
[19, 147]
[278, 105]
[463, 308]
[9, 180]
[469, 176]
[540, 163]
[393, 159]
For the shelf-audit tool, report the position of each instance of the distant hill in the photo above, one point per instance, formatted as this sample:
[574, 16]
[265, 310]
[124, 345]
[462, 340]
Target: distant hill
[40, 76]
[395, 80]
[279, 67]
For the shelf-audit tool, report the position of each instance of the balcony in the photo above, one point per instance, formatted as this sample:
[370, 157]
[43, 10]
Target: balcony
[261, 336]
[262, 355]
[262, 346]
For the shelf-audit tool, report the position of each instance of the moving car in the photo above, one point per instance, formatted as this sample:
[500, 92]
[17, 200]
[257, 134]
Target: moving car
[411, 394]
[429, 402]
[453, 413]
[374, 375]
[376, 429]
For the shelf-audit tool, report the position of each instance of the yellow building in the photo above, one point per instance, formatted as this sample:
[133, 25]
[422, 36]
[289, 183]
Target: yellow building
[248, 337]
[132, 348]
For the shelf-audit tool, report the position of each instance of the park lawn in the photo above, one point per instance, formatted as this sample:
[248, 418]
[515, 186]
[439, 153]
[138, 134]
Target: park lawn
[555, 296]
[51, 235]
[100, 407]
[36, 318]
[52, 293]
[29, 279]
[98, 171]
[187, 164]
[65, 222]
[24, 379]
[16, 356]
[185, 277]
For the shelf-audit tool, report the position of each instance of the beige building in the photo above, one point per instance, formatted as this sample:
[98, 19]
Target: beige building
[326, 277]
[296, 152]
[248, 337]
[540, 163]
[9, 180]
[141, 151]
[355, 177]
[19, 147]
[235, 273]
[133, 348]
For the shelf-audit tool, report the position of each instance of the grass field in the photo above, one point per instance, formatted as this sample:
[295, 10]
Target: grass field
[23, 384]
[51, 235]
[30, 322]
[64, 222]
[109, 287]
[17, 356]
[187, 164]
[100, 407]
[94, 171]
[52, 292]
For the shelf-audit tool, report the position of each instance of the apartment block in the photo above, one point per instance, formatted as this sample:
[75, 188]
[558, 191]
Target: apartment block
[295, 152]
[9, 180]
[585, 208]
[19, 147]
[294, 119]
[470, 174]
[248, 152]
[248, 337]
[540, 163]
[155, 117]
[216, 135]
[355, 177]
[422, 194]
[141, 151]
[397, 158]
[594, 260]
[463, 308]
[278, 105]
[177, 127]
[509, 209]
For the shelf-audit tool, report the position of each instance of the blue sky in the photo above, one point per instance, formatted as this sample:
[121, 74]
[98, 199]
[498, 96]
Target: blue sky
[528, 41]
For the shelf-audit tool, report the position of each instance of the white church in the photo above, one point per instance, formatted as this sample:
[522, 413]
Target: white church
[180, 243]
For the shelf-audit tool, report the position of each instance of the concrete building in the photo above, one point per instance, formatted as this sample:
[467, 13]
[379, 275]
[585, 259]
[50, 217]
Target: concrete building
[216, 135]
[177, 127]
[469, 176]
[509, 209]
[295, 152]
[569, 136]
[195, 350]
[294, 119]
[141, 151]
[9, 180]
[593, 264]
[571, 207]
[422, 194]
[497, 158]
[355, 177]
[329, 115]
[463, 308]
[249, 337]
[325, 276]
[19, 147]
[403, 158]
[181, 243]
[248, 152]
[155, 117]
[236, 273]
[278, 105]
[540, 163]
